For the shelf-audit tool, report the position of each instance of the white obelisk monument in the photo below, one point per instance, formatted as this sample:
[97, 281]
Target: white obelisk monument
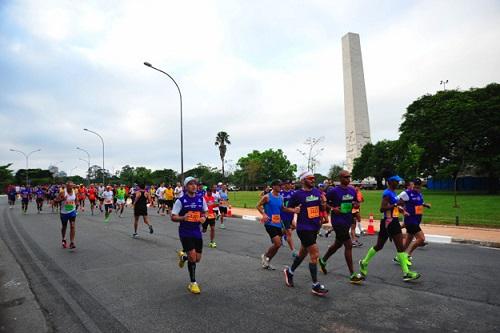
[357, 124]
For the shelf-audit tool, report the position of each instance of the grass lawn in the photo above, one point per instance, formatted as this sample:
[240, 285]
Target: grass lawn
[475, 209]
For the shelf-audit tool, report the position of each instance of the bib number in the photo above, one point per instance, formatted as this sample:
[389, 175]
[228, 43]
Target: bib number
[313, 212]
[193, 216]
[69, 206]
[419, 210]
[276, 218]
[346, 207]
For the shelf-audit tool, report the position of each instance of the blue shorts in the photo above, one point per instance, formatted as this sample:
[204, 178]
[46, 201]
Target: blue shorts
[67, 217]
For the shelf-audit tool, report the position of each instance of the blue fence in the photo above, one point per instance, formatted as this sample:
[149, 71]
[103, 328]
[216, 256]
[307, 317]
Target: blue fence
[463, 184]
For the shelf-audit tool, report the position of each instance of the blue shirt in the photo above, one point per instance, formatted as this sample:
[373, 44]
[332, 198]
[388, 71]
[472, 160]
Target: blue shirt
[273, 210]
[393, 199]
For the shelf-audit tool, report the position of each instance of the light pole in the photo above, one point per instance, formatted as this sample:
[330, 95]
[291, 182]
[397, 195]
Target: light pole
[102, 140]
[443, 83]
[180, 98]
[88, 163]
[27, 158]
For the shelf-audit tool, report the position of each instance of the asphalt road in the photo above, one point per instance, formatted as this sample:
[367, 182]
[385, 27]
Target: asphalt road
[113, 283]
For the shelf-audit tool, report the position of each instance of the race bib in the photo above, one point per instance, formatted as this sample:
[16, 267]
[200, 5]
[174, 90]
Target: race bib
[275, 218]
[419, 210]
[346, 207]
[193, 216]
[313, 212]
[69, 206]
[395, 212]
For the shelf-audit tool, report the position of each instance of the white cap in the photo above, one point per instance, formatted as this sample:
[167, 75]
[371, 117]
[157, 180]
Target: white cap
[305, 174]
[188, 180]
[219, 184]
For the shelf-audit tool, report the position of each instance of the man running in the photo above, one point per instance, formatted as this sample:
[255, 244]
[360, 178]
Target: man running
[414, 206]
[160, 194]
[141, 200]
[390, 228]
[67, 200]
[108, 203]
[82, 194]
[12, 196]
[356, 218]
[287, 217]
[169, 198]
[223, 204]
[120, 199]
[178, 191]
[189, 211]
[40, 196]
[100, 192]
[25, 198]
[341, 200]
[307, 203]
[210, 221]
[92, 193]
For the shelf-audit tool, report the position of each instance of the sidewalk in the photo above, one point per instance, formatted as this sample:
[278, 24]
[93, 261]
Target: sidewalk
[434, 233]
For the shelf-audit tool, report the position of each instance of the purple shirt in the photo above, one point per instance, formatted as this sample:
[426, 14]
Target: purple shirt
[195, 207]
[310, 201]
[285, 216]
[343, 198]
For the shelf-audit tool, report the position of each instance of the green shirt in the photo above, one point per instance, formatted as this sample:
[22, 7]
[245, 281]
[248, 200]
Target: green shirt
[120, 193]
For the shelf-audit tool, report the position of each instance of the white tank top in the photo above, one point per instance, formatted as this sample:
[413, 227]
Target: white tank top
[69, 203]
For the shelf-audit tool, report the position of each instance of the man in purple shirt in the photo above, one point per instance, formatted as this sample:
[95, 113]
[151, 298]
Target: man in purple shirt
[341, 200]
[307, 202]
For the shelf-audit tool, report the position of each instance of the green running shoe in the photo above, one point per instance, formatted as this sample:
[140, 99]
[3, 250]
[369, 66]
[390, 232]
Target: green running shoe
[363, 268]
[356, 278]
[410, 276]
[322, 265]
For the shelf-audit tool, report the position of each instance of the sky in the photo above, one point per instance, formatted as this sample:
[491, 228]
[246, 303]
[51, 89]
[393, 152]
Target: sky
[269, 73]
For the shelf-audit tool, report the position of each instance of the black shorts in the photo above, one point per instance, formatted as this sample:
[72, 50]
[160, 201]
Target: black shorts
[307, 237]
[108, 207]
[170, 203]
[273, 231]
[342, 232]
[223, 210]
[208, 222]
[12, 197]
[101, 200]
[162, 201]
[39, 199]
[413, 228]
[190, 243]
[393, 229]
[140, 211]
[287, 224]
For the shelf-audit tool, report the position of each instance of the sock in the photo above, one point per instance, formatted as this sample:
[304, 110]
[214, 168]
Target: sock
[403, 261]
[369, 255]
[192, 270]
[313, 268]
[296, 262]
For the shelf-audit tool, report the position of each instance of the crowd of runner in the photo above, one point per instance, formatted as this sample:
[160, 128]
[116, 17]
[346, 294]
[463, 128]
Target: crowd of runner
[284, 205]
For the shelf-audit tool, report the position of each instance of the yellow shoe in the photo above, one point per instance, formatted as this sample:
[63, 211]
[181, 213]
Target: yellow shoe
[194, 288]
[181, 254]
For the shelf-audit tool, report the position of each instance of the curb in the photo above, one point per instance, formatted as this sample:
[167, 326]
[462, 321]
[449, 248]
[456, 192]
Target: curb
[429, 237]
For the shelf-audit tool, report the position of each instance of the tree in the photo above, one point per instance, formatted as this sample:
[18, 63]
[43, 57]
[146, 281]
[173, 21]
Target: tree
[142, 175]
[311, 154]
[205, 174]
[334, 172]
[6, 176]
[258, 168]
[127, 175]
[221, 140]
[167, 176]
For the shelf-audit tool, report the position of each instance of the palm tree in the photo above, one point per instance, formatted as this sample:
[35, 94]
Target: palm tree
[221, 140]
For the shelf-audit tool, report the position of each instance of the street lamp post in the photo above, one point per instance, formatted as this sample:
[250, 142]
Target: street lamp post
[443, 83]
[27, 163]
[88, 163]
[102, 140]
[180, 98]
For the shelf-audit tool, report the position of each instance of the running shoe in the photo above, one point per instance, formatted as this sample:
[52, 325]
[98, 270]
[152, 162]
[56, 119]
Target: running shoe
[356, 278]
[182, 258]
[288, 277]
[319, 289]
[150, 229]
[264, 261]
[410, 276]
[72, 245]
[64, 244]
[135, 235]
[194, 288]
[322, 265]
[106, 219]
[214, 245]
[295, 254]
[363, 269]
[222, 226]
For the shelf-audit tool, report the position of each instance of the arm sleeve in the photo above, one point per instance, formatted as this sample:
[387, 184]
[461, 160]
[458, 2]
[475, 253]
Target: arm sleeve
[177, 207]
[403, 196]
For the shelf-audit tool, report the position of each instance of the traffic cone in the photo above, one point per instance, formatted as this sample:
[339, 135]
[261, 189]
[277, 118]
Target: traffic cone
[229, 212]
[371, 229]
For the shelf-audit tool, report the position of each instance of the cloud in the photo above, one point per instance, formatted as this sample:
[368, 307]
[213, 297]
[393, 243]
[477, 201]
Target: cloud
[267, 73]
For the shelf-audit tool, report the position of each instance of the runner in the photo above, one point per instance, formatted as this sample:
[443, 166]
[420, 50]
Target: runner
[390, 229]
[40, 196]
[92, 193]
[178, 191]
[287, 217]
[160, 194]
[12, 196]
[215, 194]
[189, 211]
[223, 204]
[120, 199]
[152, 196]
[108, 203]
[25, 198]
[141, 209]
[210, 221]
[357, 218]
[414, 205]
[342, 200]
[169, 198]
[270, 207]
[67, 200]
[54, 192]
[82, 194]
[100, 192]
[307, 203]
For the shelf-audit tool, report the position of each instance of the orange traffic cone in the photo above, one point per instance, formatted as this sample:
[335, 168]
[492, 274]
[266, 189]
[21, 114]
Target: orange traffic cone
[371, 229]
[229, 212]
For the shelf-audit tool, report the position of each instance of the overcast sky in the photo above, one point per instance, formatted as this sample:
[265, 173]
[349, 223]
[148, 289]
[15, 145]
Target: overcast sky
[267, 72]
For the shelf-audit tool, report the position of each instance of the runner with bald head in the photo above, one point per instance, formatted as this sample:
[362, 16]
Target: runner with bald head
[67, 200]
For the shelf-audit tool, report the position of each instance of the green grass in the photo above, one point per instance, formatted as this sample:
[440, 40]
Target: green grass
[475, 209]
